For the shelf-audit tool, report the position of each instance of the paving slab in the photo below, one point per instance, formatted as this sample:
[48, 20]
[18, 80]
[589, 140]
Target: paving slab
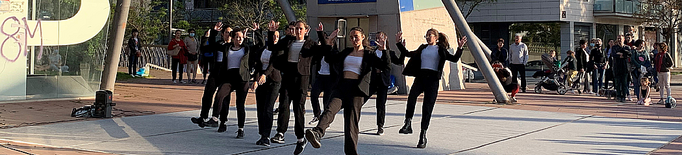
[454, 129]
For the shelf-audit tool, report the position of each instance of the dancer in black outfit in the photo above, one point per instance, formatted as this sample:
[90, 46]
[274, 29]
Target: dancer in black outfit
[381, 79]
[236, 67]
[268, 81]
[295, 67]
[426, 65]
[353, 65]
[324, 82]
[215, 48]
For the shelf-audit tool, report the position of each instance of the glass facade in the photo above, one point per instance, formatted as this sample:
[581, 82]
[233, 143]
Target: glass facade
[617, 6]
[65, 46]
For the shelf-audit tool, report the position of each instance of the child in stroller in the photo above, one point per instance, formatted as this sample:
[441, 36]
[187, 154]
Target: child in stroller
[554, 78]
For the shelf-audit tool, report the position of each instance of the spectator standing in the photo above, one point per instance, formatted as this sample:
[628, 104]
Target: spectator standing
[134, 54]
[640, 58]
[662, 63]
[598, 64]
[518, 57]
[500, 53]
[581, 57]
[621, 54]
[192, 55]
[178, 61]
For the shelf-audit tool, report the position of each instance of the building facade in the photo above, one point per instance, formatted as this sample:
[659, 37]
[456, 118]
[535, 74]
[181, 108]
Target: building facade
[412, 17]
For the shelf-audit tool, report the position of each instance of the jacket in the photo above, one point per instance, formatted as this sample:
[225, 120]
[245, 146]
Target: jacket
[597, 56]
[581, 58]
[134, 46]
[569, 63]
[620, 65]
[413, 66]
[310, 49]
[500, 56]
[271, 72]
[383, 76]
[370, 61]
[246, 61]
[666, 62]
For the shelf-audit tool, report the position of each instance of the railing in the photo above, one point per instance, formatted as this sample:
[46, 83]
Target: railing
[153, 54]
[540, 48]
[617, 6]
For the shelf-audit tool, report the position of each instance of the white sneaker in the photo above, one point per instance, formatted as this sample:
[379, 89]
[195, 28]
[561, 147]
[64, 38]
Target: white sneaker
[513, 99]
[315, 120]
[174, 81]
[182, 81]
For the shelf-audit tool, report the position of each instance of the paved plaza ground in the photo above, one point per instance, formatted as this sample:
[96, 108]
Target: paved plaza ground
[152, 117]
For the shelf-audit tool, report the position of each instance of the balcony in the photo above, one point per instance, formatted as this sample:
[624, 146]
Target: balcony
[624, 7]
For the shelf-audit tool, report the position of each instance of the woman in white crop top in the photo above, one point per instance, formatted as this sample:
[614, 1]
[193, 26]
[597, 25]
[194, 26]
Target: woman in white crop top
[356, 63]
[426, 65]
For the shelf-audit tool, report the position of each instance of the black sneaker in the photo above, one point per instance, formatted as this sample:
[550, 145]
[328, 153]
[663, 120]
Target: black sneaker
[380, 131]
[265, 141]
[195, 120]
[278, 138]
[240, 134]
[300, 146]
[211, 123]
[313, 137]
[222, 128]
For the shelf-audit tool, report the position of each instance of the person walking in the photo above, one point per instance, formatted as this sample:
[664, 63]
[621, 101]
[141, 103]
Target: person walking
[215, 48]
[426, 65]
[178, 62]
[518, 58]
[192, 55]
[295, 67]
[353, 66]
[500, 53]
[236, 71]
[620, 68]
[134, 52]
[662, 63]
[598, 63]
[381, 78]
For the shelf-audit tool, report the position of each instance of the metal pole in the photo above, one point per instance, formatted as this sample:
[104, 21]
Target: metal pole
[288, 12]
[484, 66]
[485, 48]
[115, 45]
[170, 21]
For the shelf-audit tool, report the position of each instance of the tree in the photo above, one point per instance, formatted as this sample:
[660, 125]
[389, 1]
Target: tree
[146, 20]
[468, 6]
[665, 14]
[548, 33]
[258, 11]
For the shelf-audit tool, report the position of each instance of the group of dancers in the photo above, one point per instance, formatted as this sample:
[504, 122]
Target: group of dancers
[348, 77]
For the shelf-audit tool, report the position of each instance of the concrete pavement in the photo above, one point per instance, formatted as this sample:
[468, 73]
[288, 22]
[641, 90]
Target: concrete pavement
[455, 129]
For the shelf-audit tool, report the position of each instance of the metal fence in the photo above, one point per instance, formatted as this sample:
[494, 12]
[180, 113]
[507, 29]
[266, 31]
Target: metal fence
[153, 54]
[541, 48]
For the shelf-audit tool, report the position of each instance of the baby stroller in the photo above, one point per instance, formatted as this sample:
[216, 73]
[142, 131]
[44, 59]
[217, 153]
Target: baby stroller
[553, 78]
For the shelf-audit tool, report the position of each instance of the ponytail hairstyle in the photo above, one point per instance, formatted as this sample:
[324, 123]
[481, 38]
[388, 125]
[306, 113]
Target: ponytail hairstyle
[442, 41]
[365, 42]
[664, 47]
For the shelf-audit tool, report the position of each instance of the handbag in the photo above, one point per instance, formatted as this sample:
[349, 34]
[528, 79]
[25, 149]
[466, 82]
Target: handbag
[173, 52]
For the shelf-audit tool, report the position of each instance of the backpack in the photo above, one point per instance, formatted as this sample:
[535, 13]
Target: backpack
[670, 102]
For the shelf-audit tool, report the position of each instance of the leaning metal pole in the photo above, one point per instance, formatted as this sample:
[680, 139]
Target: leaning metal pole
[484, 65]
[288, 12]
[114, 45]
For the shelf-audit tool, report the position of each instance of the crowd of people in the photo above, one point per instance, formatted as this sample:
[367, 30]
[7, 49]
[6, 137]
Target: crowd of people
[625, 62]
[281, 67]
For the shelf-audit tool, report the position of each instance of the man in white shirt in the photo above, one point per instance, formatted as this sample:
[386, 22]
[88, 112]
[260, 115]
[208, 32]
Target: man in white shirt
[518, 57]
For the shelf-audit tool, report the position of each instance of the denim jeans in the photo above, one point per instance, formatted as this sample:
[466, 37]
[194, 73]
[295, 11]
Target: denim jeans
[597, 78]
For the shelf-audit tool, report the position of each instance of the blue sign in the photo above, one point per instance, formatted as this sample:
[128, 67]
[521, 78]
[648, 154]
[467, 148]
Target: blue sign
[343, 1]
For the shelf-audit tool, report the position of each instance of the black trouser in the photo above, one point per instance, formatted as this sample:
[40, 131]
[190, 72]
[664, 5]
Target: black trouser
[622, 86]
[382, 94]
[519, 69]
[351, 101]
[132, 65]
[176, 66]
[296, 88]
[207, 98]
[206, 65]
[323, 83]
[266, 95]
[427, 84]
[222, 98]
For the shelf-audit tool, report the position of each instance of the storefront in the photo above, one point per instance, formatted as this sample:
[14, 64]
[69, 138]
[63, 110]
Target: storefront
[54, 49]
